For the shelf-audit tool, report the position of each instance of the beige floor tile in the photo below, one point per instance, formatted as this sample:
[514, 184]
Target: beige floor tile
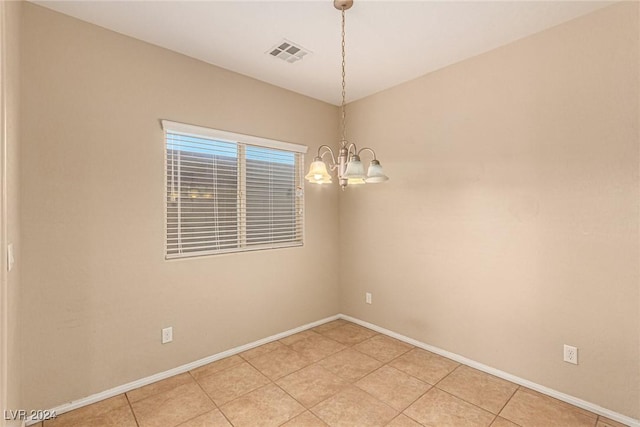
[259, 351]
[501, 422]
[350, 365]
[172, 407]
[159, 387]
[606, 422]
[306, 419]
[353, 407]
[403, 421]
[311, 385]
[383, 348]
[349, 334]
[217, 366]
[264, 407]
[424, 365]
[94, 412]
[316, 347]
[280, 362]
[299, 336]
[393, 387]
[437, 408]
[559, 402]
[210, 419]
[484, 390]
[537, 410]
[330, 325]
[120, 417]
[232, 383]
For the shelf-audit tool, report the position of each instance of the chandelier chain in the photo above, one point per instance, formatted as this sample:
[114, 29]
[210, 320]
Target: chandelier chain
[344, 85]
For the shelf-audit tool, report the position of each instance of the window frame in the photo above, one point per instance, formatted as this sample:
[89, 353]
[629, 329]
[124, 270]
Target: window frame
[242, 141]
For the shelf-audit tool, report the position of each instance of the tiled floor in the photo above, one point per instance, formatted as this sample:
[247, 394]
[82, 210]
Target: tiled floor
[337, 374]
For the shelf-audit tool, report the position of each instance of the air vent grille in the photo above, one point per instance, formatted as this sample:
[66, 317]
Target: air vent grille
[288, 51]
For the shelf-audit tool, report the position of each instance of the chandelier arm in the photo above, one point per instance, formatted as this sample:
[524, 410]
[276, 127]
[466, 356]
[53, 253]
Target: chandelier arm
[368, 149]
[330, 151]
[349, 152]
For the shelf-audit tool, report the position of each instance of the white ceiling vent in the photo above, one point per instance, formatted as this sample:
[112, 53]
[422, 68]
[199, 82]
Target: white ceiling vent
[288, 51]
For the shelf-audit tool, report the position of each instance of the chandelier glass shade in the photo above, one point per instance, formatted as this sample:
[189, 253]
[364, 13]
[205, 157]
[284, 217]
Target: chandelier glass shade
[318, 173]
[375, 173]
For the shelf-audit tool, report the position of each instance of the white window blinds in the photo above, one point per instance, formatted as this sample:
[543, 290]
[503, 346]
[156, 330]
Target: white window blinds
[228, 192]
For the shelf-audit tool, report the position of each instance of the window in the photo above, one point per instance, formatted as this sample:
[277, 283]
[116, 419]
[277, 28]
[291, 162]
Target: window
[229, 193]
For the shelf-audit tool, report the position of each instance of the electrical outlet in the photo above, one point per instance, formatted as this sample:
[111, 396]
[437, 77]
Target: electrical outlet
[10, 259]
[367, 297]
[167, 335]
[571, 354]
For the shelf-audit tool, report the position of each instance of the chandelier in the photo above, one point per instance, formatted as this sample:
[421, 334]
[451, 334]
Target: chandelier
[350, 169]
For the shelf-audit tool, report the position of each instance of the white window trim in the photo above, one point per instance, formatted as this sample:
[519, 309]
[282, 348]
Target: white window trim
[193, 130]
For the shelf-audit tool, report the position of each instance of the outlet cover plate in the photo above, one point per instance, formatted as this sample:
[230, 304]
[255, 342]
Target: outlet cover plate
[570, 354]
[167, 335]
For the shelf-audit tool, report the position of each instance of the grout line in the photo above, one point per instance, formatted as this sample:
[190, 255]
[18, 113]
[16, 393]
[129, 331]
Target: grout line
[250, 391]
[329, 329]
[448, 373]
[305, 409]
[131, 408]
[465, 401]
[216, 407]
[555, 401]
[288, 346]
[378, 400]
[288, 394]
[509, 400]
[414, 400]
[204, 391]
[225, 417]
[213, 373]
[354, 383]
[410, 417]
[417, 398]
[518, 387]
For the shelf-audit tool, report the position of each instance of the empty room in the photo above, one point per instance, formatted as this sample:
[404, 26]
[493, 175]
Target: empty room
[320, 213]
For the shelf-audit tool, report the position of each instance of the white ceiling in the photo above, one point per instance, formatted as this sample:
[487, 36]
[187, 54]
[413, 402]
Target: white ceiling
[388, 42]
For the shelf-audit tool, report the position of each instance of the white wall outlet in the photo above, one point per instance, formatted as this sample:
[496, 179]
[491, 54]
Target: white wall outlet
[367, 297]
[10, 258]
[571, 354]
[167, 335]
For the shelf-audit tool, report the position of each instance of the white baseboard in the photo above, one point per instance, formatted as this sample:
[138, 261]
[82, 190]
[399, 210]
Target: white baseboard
[461, 359]
[501, 374]
[70, 406]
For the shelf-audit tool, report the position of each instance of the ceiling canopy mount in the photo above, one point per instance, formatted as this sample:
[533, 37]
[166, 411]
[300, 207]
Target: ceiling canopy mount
[343, 4]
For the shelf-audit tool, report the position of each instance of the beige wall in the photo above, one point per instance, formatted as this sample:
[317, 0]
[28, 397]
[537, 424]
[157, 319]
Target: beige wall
[509, 228]
[97, 289]
[11, 32]
[510, 224]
